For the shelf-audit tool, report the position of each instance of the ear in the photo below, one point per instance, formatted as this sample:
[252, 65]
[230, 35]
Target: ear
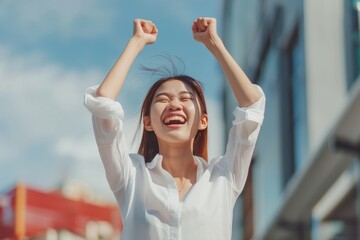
[203, 122]
[147, 123]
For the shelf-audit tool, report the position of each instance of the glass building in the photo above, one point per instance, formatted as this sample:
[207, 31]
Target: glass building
[304, 179]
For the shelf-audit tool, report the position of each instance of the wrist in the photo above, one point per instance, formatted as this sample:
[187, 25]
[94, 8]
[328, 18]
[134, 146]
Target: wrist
[214, 43]
[137, 42]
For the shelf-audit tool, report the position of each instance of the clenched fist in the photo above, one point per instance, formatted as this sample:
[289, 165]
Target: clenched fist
[145, 30]
[204, 29]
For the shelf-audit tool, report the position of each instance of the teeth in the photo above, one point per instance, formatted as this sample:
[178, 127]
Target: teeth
[174, 118]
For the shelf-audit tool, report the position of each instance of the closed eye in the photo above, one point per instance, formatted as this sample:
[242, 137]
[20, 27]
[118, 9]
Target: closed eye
[162, 100]
[186, 97]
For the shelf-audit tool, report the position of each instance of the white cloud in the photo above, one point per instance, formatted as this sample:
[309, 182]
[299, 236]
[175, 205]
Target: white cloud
[42, 98]
[7, 151]
[42, 107]
[79, 149]
[35, 19]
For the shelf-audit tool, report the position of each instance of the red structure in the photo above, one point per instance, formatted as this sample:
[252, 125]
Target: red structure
[30, 212]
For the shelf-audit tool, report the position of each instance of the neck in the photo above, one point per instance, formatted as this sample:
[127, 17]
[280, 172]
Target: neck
[178, 160]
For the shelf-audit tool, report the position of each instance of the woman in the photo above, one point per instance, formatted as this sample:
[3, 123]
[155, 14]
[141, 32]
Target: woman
[169, 190]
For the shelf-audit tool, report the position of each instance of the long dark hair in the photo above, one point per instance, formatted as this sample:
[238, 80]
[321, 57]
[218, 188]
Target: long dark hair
[149, 146]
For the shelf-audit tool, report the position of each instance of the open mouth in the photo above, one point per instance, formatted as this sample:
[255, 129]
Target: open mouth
[174, 120]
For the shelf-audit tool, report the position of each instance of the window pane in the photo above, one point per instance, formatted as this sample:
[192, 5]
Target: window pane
[352, 37]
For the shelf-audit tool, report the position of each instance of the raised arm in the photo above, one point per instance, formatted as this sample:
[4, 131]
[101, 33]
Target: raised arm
[145, 32]
[204, 31]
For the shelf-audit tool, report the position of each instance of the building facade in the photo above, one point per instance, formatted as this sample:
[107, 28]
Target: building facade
[29, 213]
[304, 180]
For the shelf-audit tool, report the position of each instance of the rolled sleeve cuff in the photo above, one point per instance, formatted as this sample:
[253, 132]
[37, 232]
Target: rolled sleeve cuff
[102, 107]
[254, 112]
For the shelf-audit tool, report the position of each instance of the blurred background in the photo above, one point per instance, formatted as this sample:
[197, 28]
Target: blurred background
[304, 182]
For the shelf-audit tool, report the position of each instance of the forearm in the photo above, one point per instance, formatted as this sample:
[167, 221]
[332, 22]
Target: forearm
[115, 79]
[245, 92]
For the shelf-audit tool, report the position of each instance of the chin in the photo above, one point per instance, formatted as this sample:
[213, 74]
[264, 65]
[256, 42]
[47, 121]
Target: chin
[176, 139]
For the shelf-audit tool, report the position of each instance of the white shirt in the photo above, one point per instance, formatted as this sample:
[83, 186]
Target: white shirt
[147, 194]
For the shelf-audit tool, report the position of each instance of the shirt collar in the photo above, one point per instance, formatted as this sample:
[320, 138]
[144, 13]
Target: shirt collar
[201, 163]
[157, 160]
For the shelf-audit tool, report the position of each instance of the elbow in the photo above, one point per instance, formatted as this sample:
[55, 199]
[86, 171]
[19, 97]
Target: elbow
[251, 98]
[256, 96]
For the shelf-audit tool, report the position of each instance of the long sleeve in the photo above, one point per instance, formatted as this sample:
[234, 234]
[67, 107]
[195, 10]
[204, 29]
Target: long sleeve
[107, 117]
[242, 140]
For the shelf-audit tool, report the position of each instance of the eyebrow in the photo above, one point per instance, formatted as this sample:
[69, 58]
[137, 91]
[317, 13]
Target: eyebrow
[169, 95]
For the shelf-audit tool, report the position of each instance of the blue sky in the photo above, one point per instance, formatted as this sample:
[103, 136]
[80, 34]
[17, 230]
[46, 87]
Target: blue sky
[51, 51]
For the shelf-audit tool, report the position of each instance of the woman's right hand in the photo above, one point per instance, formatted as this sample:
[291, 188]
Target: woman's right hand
[145, 30]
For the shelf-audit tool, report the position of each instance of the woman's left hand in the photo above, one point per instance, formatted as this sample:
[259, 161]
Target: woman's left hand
[204, 30]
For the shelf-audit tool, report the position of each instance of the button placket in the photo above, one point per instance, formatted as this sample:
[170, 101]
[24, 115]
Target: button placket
[173, 205]
[174, 210]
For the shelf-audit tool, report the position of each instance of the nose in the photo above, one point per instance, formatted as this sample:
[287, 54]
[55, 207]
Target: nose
[175, 105]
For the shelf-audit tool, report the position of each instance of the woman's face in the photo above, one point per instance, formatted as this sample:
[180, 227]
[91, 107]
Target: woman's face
[175, 113]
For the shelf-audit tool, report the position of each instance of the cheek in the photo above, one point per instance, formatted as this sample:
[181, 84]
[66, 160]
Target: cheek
[194, 108]
[155, 113]
[194, 113]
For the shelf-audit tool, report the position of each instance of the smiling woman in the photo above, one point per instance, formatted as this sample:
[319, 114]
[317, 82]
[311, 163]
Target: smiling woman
[169, 189]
